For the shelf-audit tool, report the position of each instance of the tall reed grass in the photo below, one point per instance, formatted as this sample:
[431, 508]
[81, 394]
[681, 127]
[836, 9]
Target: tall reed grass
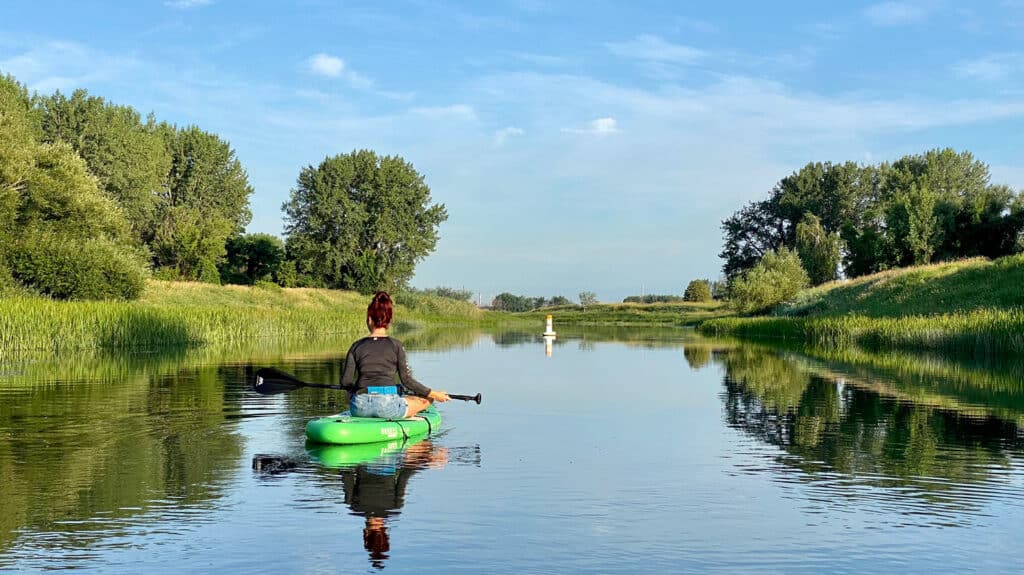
[191, 315]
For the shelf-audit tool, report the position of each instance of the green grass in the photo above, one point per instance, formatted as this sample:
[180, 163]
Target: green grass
[945, 288]
[971, 308]
[177, 314]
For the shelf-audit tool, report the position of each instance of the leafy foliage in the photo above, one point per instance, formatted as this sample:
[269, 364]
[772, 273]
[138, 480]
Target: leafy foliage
[937, 205]
[204, 202]
[252, 258]
[66, 266]
[61, 235]
[698, 290]
[588, 298]
[448, 292]
[126, 155]
[651, 298]
[775, 279]
[820, 252]
[361, 221]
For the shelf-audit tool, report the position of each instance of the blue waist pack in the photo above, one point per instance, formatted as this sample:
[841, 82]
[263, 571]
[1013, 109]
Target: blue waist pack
[382, 390]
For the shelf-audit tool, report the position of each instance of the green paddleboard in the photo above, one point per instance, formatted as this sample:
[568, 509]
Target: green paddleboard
[344, 429]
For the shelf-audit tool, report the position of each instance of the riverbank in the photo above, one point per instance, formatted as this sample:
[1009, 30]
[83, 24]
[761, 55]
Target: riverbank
[632, 314]
[185, 314]
[972, 308]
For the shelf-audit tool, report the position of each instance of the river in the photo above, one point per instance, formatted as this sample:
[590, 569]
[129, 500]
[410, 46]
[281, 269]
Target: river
[603, 451]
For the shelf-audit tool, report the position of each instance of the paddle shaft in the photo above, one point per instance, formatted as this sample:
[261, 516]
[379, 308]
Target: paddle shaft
[280, 381]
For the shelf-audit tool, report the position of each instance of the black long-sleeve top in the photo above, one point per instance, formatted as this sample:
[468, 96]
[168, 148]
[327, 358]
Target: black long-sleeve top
[378, 360]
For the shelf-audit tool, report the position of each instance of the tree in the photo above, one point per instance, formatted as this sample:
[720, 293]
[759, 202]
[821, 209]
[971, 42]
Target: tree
[912, 225]
[820, 252]
[509, 302]
[127, 156]
[252, 257]
[750, 233]
[205, 200]
[587, 298]
[698, 291]
[719, 289]
[775, 279]
[361, 221]
[559, 300]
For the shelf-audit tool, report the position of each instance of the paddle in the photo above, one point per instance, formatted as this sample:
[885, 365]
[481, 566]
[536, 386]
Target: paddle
[271, 381]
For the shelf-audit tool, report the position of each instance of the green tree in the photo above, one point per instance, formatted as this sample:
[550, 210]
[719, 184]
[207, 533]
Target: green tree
[775, 279]
[69, 240]
[17, 157]
[559, 300]
[820, 252]
[698, 291]
[205, 201]
[252, 257]
[912, 225]
[515, 303]
[127, 155]
[361, 221]
[587, 298]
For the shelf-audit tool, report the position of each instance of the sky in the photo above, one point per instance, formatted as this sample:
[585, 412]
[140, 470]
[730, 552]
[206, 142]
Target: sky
[578, 146]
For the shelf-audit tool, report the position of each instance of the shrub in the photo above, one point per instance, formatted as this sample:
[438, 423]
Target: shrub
[775, 279]
[268, 285]
[698, 290]
[652, 299]
[67, 267]
[448, 292]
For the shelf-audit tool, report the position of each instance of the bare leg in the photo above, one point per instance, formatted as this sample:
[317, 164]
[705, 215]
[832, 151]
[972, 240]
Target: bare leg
[416, 405]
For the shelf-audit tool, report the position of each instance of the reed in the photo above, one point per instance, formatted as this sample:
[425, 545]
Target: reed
[174, 314]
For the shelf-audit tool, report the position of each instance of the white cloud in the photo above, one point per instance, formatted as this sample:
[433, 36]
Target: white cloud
[992, 67]
[502, 135]
[61, 65]
[187, 4]
[326, 65]
[896, 13]
[455, 111]
[596, 126]
[653, 48]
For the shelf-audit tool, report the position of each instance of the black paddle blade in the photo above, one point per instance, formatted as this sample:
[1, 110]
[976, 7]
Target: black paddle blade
[271, 381]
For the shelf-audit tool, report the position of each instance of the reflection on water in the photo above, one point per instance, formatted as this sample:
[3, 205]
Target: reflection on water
[917, 455]
[627, 450]
[373, 478]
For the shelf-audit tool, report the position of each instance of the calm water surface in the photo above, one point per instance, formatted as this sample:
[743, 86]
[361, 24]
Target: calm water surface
[622, 452]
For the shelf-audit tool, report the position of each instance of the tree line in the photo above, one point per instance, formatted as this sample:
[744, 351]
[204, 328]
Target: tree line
[862, 219]
[829, 220]
[95, 198]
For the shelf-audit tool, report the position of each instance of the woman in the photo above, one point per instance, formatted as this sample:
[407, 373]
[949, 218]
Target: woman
[378, 358]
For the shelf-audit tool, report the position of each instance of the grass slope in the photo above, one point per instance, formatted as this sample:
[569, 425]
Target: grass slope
[972, 307]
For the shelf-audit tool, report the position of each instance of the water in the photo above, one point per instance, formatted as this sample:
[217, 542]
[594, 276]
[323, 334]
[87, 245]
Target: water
[624, 451]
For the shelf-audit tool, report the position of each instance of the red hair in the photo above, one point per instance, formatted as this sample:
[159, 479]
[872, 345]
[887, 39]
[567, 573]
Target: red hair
[379, 311]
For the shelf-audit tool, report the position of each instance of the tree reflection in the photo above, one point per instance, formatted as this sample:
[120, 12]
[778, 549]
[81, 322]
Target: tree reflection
[828, 423]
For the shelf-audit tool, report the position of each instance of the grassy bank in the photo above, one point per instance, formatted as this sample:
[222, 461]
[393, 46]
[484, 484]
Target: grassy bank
[176, 314]
[630, 314]
[972, 307]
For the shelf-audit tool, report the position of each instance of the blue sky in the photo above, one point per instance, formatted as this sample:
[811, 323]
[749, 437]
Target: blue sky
[578, 146]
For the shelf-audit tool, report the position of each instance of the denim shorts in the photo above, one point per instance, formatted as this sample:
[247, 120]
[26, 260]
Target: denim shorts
[378, 405]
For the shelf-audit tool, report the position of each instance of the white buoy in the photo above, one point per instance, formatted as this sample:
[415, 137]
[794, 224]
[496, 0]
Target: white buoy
[549, 330]
[549, 341]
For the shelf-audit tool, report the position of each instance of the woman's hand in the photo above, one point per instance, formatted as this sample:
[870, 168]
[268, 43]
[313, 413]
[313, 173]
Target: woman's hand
[438, 396]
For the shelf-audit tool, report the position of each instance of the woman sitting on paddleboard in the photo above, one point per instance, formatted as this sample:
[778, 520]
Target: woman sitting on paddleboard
[378, 358]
